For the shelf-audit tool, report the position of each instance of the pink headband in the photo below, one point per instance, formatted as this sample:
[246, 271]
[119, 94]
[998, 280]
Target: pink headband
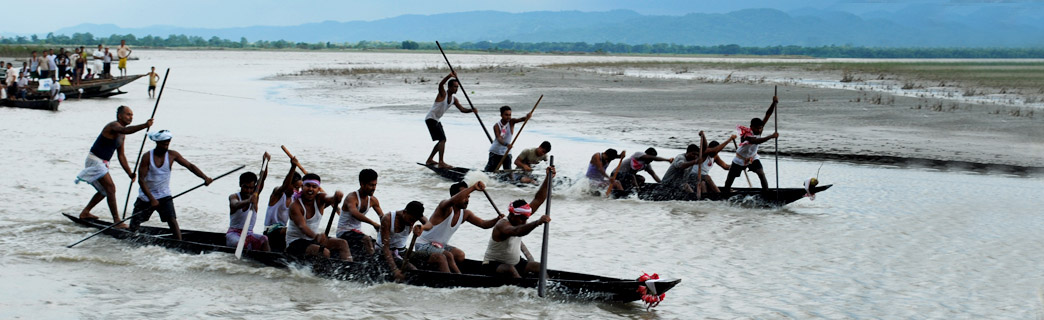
[315, 182]
[524, 210]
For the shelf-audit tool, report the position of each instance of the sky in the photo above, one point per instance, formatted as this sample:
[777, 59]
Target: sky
[242, 13]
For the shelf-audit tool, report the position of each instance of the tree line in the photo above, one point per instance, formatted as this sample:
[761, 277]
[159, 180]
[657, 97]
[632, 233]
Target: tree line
[833, 51]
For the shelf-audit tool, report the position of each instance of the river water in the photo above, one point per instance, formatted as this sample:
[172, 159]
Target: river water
[884, 242]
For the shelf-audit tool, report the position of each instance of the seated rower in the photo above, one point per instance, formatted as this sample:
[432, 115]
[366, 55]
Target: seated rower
[528, 158]
[303, 236]
[444, 221]
[596, 169]
[278, 212]
[395, 232]
[504, 131]
[349, 226]
[243, 206]
[628, 175]
[710, 157]
[503, 253]
[678, 173]
[747, 152]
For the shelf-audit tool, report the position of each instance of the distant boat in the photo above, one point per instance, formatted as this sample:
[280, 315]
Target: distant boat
[96, 88]
[38, 104]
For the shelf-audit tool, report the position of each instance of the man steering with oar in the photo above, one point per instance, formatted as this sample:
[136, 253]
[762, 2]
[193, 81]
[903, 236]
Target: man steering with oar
[503, 253]
[154, 190]
[96, 171]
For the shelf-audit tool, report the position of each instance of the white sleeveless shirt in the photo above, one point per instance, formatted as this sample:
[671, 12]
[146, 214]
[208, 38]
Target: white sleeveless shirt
[279, 213]
[746, 153]
[442, 232]
[508, 251]
[397, 239]
[236, 219]
[439, 108]
[293, 232]
[158, 178]
[506, 133]
[347, 222]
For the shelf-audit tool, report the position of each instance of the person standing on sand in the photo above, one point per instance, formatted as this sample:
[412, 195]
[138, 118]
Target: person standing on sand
[747, 152]
[153, 78]
[442, 102]
[123, 52]
[96, 173]
[154, 192]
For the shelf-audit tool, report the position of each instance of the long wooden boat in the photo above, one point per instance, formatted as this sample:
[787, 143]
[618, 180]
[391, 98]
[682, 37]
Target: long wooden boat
[96, 88]
[754, 196]
[569, 285]
[457, 174]
[37, 104]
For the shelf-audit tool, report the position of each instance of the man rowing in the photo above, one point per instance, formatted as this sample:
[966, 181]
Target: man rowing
[640, 161]
[674, 180]
[444, 222]
[596, 169]
[528, 158]
[442, 103]
[395, 231]
[278, 212]
[242, 206]
[710, 157]
[747, 152]
[96, 171]
[504, 131]
[349, 226]
[503, 253]
[303, 237]
[154, 190]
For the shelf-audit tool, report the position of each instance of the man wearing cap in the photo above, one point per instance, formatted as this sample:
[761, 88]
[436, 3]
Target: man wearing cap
[503, 253]
[96, 171]
[154, 194]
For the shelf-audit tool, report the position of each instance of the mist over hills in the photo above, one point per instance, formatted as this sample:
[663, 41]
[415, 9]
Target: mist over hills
[914, 26]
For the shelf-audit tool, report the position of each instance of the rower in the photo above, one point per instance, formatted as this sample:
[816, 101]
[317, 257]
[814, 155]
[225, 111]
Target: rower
[154, 192]
[503, 253]
[303, 237]
[596, 169]
[628, 176]
[710, 157]
[528, 158]
[442, 103]
[444, 221]
[96, 171]
[242, 206]
[747, 152]
[278, 212]
[504, 131]
[678, 172]
[395, 230]
[349, 226]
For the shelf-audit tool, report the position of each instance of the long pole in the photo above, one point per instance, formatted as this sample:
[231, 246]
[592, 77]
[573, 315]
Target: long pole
[542, 284]
[512, 145]
[615, 172]
[775, 94]
[409, 251]
[132, 216]
[142, 148]
[461, 86]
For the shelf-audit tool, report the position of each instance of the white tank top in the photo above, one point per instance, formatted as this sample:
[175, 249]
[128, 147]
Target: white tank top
[439, 108]
[398, 239]
[704, 167]
[158, 178]
[506, 133]
[746, 153]
[279, 213]
[347, 222]
[294, 233]
[236, 219]
[508, 251]
[442, 232]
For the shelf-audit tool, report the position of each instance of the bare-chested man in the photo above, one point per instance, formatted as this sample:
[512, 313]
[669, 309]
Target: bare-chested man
[445, 221]
[96, 171]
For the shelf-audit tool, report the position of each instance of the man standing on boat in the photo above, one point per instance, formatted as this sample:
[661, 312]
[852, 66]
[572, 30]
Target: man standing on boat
[530, 157]
[99, 55]
[123, 52]
[395, 230]
[503, 253]
[445, 221]
[442, 103]
[96, 173]
[747, 152]
[243, 206]
[107, 64]
[303, 238]
[349, 227]
[154, 193]
[153, 78]
[278, 212]
[504, 131]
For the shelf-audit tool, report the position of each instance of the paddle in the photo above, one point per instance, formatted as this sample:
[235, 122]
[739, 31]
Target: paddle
[142, 148]
[775, 94]
[699, 165]
[512, 145]
[542, 285]
[409, 251]
[615, 172]
[250, 216]
[744, 170]
[132, 216]
[461, 86]
[287, 151]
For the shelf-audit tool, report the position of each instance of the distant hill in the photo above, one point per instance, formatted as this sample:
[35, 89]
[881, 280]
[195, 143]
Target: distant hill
[912, 27]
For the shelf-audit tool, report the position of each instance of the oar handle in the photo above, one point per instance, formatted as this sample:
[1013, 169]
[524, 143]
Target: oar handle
[137, 160]
[612, 179]
[542, 285]
[461, 86]
[491, 202]
[409, 251]
[288, 154]
[512, 145]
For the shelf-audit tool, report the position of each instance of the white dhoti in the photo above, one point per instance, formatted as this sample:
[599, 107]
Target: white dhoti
[94, 169]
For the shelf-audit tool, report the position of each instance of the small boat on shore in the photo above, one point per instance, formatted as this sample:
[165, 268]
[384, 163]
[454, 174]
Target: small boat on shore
[658, 192]
[561, 283]
[37, 104]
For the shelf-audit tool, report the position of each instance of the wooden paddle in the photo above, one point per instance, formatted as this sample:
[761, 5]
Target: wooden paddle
[461, 86]
[615, 172]
[250, 215]
[140, 213]
[130, 187]
[542, 285]
[744, 170]
[699, 165]
[409, 251]
[287, 151]
[512, 145]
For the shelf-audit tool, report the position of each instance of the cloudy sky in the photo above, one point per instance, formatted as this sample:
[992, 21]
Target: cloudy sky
[27, 16]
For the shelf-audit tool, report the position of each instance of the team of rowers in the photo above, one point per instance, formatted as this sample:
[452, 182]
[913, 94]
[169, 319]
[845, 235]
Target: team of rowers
[295, 208]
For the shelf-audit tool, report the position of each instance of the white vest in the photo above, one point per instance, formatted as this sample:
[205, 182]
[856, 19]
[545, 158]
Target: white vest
[442, 232]
[439, 108]
[158, 178]
[347, 222]
[506, 133]
[508, 251]
[293, 232]
[236, 219]
[397, 239]
[279, 213]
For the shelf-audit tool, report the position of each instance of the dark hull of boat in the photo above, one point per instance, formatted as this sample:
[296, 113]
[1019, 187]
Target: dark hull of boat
[564, 284]
[657, 192]
[41, 104]
[452, 174]
[98, 88]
